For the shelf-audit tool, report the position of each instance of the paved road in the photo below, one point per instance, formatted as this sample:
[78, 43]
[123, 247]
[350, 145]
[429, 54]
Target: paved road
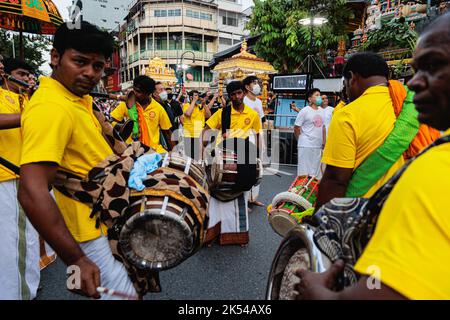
[227, 273]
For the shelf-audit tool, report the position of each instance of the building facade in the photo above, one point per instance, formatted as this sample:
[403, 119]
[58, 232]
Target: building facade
[107, 14]
[181, 32]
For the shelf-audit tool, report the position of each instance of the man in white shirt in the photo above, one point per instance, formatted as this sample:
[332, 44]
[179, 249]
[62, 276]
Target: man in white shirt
[310, 132]
[327, 112]
[252, 91]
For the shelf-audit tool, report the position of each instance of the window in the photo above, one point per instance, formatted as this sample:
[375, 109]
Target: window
[160, 13]
[225, 41]
[161, 43]
[229, 18]
[174, 13]
[198, 15]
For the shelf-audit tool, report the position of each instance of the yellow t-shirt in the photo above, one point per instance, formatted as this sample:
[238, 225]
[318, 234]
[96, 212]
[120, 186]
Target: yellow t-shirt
[157, 119]
[120, 113]
[339, 106]
[60, 127]
[357, 130]
[411, 244]
[193, 125]
[241, 125]
[10, 139]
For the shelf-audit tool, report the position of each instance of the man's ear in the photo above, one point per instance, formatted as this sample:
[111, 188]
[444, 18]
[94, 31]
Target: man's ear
[54, 58]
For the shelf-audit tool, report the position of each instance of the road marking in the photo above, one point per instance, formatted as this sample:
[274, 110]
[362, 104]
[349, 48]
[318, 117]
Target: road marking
[278, 171]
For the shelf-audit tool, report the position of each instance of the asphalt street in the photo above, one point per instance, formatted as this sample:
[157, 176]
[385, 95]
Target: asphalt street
[216, 273]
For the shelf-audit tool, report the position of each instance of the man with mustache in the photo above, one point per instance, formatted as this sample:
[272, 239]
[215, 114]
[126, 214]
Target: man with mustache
[410, 247]
[61, 133]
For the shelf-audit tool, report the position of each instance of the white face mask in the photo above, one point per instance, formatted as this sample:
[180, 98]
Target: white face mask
[256, 90]
[163, 95]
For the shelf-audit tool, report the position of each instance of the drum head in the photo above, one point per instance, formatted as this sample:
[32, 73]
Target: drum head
[294, 253]
[282, 222]
[154, 241]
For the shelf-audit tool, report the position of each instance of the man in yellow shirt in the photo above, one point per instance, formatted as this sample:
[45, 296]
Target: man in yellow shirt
[150, 117]
[195, 114]
[229, 220]
[409, 253]
[20, 274]
[360, 128]
[61, 132]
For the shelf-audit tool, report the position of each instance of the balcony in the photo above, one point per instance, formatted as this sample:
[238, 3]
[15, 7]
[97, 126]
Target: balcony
[169, 54]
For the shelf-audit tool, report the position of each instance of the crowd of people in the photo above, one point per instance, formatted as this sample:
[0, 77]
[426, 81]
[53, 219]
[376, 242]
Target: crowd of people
[353, 149]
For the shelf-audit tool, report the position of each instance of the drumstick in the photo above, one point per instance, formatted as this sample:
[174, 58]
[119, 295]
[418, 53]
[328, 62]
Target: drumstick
[114, 293]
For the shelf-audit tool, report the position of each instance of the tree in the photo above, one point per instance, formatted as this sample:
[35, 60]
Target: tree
[283, 41]
[34, 47]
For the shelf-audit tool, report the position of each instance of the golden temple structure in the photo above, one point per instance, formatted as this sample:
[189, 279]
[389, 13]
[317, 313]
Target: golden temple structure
[158, 71]
[242, 65]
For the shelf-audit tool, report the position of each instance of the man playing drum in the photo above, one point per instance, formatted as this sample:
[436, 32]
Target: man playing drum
[409, 252]
[230, 219]
[20, 274]
[148, 115]
[61, 132]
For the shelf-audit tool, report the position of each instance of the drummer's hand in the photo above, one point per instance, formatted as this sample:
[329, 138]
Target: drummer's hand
[317, 286]
[90, 278]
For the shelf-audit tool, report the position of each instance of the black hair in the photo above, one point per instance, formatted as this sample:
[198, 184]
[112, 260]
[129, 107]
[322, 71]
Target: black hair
[11, 64]
[366, 64]
[247, 81]
[191, 93]
[235, 86]
[144, 83]
[312, 91]
[88, 38]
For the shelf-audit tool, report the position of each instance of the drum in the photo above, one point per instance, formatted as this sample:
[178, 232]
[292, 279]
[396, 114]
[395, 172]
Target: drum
[297, 251]
[167, 221]
[289, 208]
[223, 172]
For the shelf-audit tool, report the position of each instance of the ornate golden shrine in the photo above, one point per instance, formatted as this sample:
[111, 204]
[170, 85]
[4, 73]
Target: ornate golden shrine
[157, 70]
[243, 64]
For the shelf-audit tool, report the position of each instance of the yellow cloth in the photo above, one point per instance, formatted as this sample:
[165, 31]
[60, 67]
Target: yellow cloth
[339, 106]
[411, 243]
[242, 124]
[357, 130]
[120, 113]
[193, 125]
[157, 119]
[10, 139]
[60, 127]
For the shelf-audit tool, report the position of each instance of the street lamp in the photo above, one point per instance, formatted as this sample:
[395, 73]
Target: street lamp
[311, 22]
[184, 67]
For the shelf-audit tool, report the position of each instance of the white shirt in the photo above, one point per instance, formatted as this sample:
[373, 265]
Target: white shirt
[255, 105]
[311, 122]
[327, 115]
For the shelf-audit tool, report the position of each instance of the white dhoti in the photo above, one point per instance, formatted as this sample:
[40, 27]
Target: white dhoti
[309, 160]
[19, 249]
[113, 274]
[228, 221]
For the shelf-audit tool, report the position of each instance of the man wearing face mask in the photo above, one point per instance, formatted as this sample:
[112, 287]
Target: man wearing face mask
[252, 91]
[309, 130]
[161, 96]
[175, 106]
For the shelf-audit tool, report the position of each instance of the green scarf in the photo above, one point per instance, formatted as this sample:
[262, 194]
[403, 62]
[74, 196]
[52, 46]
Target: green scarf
[133, 113]
[380, 161]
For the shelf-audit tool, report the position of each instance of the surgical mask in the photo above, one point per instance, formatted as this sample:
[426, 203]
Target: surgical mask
[256, 90]
[319, 101]
[170, 96]
[163, 95]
